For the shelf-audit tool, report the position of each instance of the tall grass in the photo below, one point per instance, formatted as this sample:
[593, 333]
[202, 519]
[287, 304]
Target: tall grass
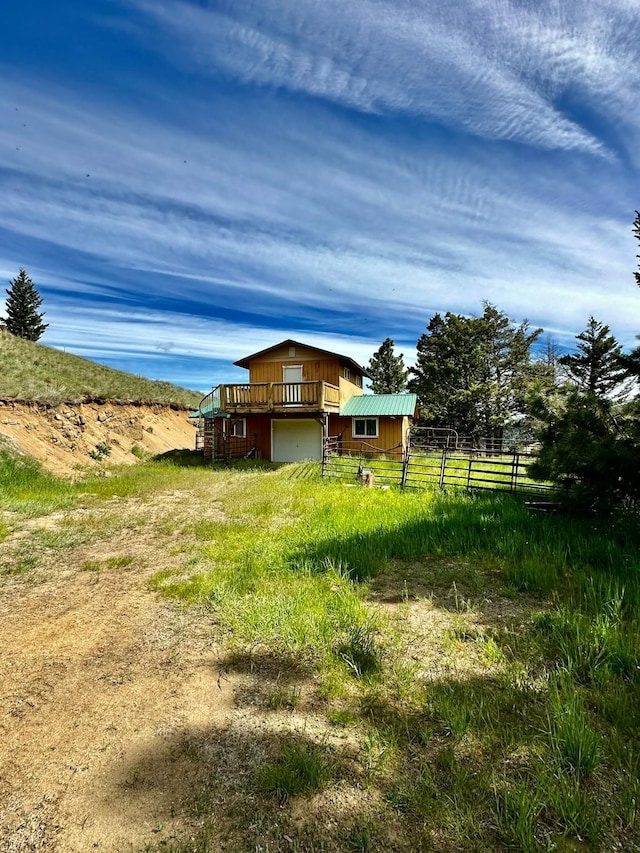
[287, 575]
[26, 488]
[575, 743]
[533, 553]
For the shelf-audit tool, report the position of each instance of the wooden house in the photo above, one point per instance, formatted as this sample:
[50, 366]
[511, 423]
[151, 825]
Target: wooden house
[296, 397]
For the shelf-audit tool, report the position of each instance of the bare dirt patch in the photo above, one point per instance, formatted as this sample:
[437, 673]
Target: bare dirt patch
[96, 671]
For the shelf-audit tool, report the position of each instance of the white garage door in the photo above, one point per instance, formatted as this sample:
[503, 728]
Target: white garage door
[296, 440]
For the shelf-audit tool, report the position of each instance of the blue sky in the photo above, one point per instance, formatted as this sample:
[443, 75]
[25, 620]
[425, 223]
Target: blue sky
[188, 182]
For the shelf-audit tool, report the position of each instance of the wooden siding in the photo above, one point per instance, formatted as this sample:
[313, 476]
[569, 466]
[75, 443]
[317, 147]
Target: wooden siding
[269, 369]
[348, 389]
[391, 431]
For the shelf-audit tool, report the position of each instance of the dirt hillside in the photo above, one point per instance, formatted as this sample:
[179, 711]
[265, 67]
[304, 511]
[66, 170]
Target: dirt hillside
[69, 439]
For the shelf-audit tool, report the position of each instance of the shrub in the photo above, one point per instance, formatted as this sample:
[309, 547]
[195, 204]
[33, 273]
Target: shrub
[100, 451]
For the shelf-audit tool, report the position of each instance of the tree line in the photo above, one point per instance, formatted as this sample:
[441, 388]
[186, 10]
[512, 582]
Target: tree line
[481, 375]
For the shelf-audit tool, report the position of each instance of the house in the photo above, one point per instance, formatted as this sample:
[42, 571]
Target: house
[298, 396]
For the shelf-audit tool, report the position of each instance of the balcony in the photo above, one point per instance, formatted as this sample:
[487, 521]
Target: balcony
[260, 397]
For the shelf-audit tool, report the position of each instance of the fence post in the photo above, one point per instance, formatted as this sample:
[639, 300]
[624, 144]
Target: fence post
[406, 453]
[443, 466]
[514, 470]
[469, 470]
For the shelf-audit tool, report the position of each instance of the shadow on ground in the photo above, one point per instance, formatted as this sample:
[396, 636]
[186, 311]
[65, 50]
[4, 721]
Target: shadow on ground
[251, 786]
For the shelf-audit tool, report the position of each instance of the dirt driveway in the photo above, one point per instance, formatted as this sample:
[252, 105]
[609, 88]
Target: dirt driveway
[102, 684]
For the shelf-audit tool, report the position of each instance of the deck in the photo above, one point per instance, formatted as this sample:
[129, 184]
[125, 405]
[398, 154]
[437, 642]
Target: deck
[260, 397]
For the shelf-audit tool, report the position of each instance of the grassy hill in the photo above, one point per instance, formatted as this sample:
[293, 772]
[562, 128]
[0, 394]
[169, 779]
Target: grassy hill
[31, 372]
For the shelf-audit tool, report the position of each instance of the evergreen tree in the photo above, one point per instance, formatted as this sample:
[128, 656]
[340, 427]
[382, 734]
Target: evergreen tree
[445, 375]
[23, 301]
[590, 448]
[596, 368]
[550, 355]
[590, 433]
[471, 372]
[542, 386]
[388, 373]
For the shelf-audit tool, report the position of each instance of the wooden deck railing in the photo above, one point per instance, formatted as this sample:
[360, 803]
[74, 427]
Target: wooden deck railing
[257, 397]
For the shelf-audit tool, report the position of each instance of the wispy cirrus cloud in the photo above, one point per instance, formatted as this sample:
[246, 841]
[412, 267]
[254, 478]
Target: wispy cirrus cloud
[381, 228]
[192, 223]
[495, 69]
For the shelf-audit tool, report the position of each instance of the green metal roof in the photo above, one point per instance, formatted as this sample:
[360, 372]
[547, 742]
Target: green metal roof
[379, 405]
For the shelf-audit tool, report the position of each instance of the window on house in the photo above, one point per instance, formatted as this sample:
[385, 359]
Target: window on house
[347, 373]
[239, 428]
[359, 381]
[364, 428]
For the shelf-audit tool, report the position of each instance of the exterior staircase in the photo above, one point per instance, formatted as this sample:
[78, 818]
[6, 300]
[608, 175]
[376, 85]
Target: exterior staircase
[212, 439]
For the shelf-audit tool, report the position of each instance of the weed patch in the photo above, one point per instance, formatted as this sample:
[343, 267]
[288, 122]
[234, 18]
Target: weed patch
[27, 489]
[108, 563]
[4, 531]
[575, 743]
[518, 810]
[301, 768]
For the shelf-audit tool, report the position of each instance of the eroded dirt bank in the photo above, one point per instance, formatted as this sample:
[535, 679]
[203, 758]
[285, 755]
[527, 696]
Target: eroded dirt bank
[71, 438]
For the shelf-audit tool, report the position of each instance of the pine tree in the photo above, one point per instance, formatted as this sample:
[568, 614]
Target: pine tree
[388, 373]
[596, 368]
[471, 372]
[590, 431]
[590, 448]
[23, 301]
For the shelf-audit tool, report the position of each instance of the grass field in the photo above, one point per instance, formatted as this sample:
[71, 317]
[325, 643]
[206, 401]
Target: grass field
[447, 671]
[34, 372]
